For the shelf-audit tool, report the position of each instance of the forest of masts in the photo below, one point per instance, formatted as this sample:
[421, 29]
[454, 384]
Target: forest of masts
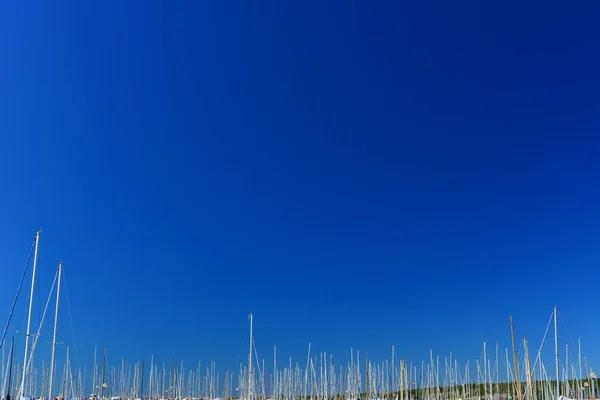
[497, 375]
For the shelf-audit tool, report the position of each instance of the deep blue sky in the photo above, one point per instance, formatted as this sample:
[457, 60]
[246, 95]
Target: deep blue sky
[354, 174]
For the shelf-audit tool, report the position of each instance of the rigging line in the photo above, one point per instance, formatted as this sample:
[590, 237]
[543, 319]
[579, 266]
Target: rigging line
[17, 295]
[240, 352]
[542, 345]
[521, 347]
[71, 319]
[260, 373]
[566, 327]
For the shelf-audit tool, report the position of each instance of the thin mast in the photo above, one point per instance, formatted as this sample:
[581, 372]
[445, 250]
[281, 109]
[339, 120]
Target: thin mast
[367, 374]
[150, 384]
[35, 256]
[556, 359]
[170, 377]
[512, 334]
[250, 362]
[485, 369]
[103, 371]
[497, 371]
[528, 365]
[580, 377]
[95, 372]
[54, 337]
[568, 385]
[141, 394]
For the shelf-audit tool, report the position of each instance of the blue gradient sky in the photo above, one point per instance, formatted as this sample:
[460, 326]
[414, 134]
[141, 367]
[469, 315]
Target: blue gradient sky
[354, 174]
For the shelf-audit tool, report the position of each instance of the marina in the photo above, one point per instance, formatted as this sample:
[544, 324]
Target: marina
[518, 373]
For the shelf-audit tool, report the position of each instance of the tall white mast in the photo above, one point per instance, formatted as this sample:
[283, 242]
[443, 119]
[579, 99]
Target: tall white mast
[556, 359]
[568, 388]
[95, 372]
[35, 256]
[580, 376]
[150, 385]
[250, 362]
[54, 337]
[485, 388]
[579, 357]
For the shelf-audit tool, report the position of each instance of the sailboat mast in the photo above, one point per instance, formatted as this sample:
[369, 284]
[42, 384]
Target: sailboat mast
[95, 372]
[150, 384]
[35, 257]
[170, 378]
[580, 376]
[54, 337]
[485, 369]
[250, 362]
[528, 366]
[141, 393]
[512, 334]
[103, 371]
[556, 358]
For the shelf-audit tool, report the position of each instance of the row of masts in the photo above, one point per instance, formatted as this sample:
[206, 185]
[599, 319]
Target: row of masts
[28, 356]
[38, 381]
[318, 378]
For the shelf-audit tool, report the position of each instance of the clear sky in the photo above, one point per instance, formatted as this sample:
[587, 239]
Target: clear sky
[353, 173]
